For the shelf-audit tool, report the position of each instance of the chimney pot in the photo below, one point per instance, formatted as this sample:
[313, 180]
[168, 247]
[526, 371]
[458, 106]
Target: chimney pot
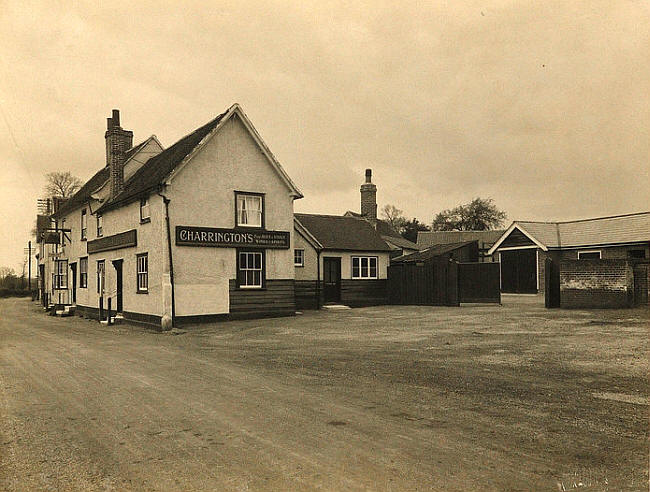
[368, 175]
[116, 117]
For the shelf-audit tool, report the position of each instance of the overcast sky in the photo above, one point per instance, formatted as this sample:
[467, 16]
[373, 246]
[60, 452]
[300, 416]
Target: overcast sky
[542, 106]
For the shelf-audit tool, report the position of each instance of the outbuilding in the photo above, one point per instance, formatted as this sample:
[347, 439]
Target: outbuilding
[523, 248]
[202, 230]
[339, 260]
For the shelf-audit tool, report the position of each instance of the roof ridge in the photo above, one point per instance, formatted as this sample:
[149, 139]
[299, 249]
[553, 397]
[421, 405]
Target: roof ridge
[603, 218]
[325, 215]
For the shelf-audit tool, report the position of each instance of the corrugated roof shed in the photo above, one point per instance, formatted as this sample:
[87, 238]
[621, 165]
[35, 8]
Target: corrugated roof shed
[336, 232]
[431, 252]
[485, 238]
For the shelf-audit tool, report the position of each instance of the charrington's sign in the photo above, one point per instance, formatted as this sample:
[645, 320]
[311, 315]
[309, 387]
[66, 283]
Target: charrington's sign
[230, 238]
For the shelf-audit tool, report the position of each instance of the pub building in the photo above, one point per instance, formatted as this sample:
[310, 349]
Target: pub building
[199, 231]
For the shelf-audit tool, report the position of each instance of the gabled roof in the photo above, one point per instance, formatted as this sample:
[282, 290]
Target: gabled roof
[160, 167]
[432, 252]
[385, 230]
[335, 232]
[93, 184]
[601, 231]
[430, 238]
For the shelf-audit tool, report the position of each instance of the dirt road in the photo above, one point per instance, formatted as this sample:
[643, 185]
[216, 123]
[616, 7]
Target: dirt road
[388, 398]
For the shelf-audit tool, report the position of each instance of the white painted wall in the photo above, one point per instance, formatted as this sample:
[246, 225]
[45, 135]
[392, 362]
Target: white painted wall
[203, 194]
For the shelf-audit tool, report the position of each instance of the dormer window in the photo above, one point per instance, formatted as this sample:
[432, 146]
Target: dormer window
[250, 211]
[144, 210]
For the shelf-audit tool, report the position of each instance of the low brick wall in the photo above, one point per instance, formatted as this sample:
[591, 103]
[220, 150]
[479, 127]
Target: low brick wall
[596, 284]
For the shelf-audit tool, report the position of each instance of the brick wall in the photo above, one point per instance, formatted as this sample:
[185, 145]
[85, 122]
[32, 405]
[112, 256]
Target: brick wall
[641, 283]
[596, 284]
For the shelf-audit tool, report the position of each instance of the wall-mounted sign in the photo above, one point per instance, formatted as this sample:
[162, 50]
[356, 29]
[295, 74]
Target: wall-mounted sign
[116, 241]
[51, 238]
[230, 238]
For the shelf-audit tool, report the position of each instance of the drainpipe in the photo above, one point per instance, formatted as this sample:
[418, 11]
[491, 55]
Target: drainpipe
[169, 249]
[318, 279]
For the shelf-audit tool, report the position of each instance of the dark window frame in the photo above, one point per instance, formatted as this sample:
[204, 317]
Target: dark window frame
[588, 254]
[361, 277]
[302, 257]
[83, 275]
[262, 197]
[100, 225]
[239, 271]
[84, 224]
[142, 274]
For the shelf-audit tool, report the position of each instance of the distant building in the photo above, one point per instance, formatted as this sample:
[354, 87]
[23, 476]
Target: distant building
[464, 252]
[524, 246]
[485, 240]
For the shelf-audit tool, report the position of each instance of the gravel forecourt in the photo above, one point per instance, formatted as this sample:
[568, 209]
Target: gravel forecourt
[511, 397]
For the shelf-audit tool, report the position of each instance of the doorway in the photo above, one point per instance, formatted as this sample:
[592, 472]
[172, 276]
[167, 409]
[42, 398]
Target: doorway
[117, 264]
[519, 271]
[332, 279]
[73, 272]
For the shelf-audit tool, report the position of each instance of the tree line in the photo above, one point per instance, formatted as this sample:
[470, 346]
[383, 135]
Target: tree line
[481, 214]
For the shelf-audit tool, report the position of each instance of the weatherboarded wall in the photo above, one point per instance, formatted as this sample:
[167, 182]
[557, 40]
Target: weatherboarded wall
[596, 284]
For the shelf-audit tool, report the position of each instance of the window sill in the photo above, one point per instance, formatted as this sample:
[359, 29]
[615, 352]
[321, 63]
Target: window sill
[299, 266]
[141, 291]
[365, 278]
[253, 289]
[145, 220]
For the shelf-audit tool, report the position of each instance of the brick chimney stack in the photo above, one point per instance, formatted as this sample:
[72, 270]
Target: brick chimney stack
[118, 141]
[369, 197]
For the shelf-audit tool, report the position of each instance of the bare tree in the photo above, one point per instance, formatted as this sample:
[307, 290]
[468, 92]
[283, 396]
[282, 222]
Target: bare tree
[62, 184]
[393, 215]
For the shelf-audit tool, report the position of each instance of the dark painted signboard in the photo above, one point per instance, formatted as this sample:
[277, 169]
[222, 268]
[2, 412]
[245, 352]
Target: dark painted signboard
[230, 238]
[117, 241]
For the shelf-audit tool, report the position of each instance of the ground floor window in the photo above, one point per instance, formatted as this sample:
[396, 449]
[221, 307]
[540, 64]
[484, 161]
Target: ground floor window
[143, 272]
[60, 280]
[364, 267]
[299, 257]
[83, 272]
[250, 269]
[589, 255]
[101, 276]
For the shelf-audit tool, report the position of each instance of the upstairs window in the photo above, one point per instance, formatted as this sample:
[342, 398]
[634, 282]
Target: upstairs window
[299, 257]
[144, 210]
[83, 272]
[364, 267]
[250, 269]
[142, 261]
[100, 225]
[84, 224]
[249, 210]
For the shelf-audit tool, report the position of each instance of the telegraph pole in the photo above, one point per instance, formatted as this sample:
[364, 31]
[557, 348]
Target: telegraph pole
[29, 275]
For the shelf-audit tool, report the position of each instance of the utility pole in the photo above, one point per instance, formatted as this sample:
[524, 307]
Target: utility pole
[29, 275]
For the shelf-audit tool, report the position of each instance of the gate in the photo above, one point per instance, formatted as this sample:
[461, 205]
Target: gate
[434, 283]
[479, 282]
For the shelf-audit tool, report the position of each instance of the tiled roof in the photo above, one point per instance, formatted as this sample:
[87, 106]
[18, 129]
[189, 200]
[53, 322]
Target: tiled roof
[618, 229]
[430, 238]
[432, 252]
[336, 232]
[156, 169]
[92, 185]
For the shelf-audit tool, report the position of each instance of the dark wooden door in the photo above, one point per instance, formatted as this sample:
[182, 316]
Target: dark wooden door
[118, 288]
[519, 271]
[73, 272]
[332, 279]
[551, 284]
